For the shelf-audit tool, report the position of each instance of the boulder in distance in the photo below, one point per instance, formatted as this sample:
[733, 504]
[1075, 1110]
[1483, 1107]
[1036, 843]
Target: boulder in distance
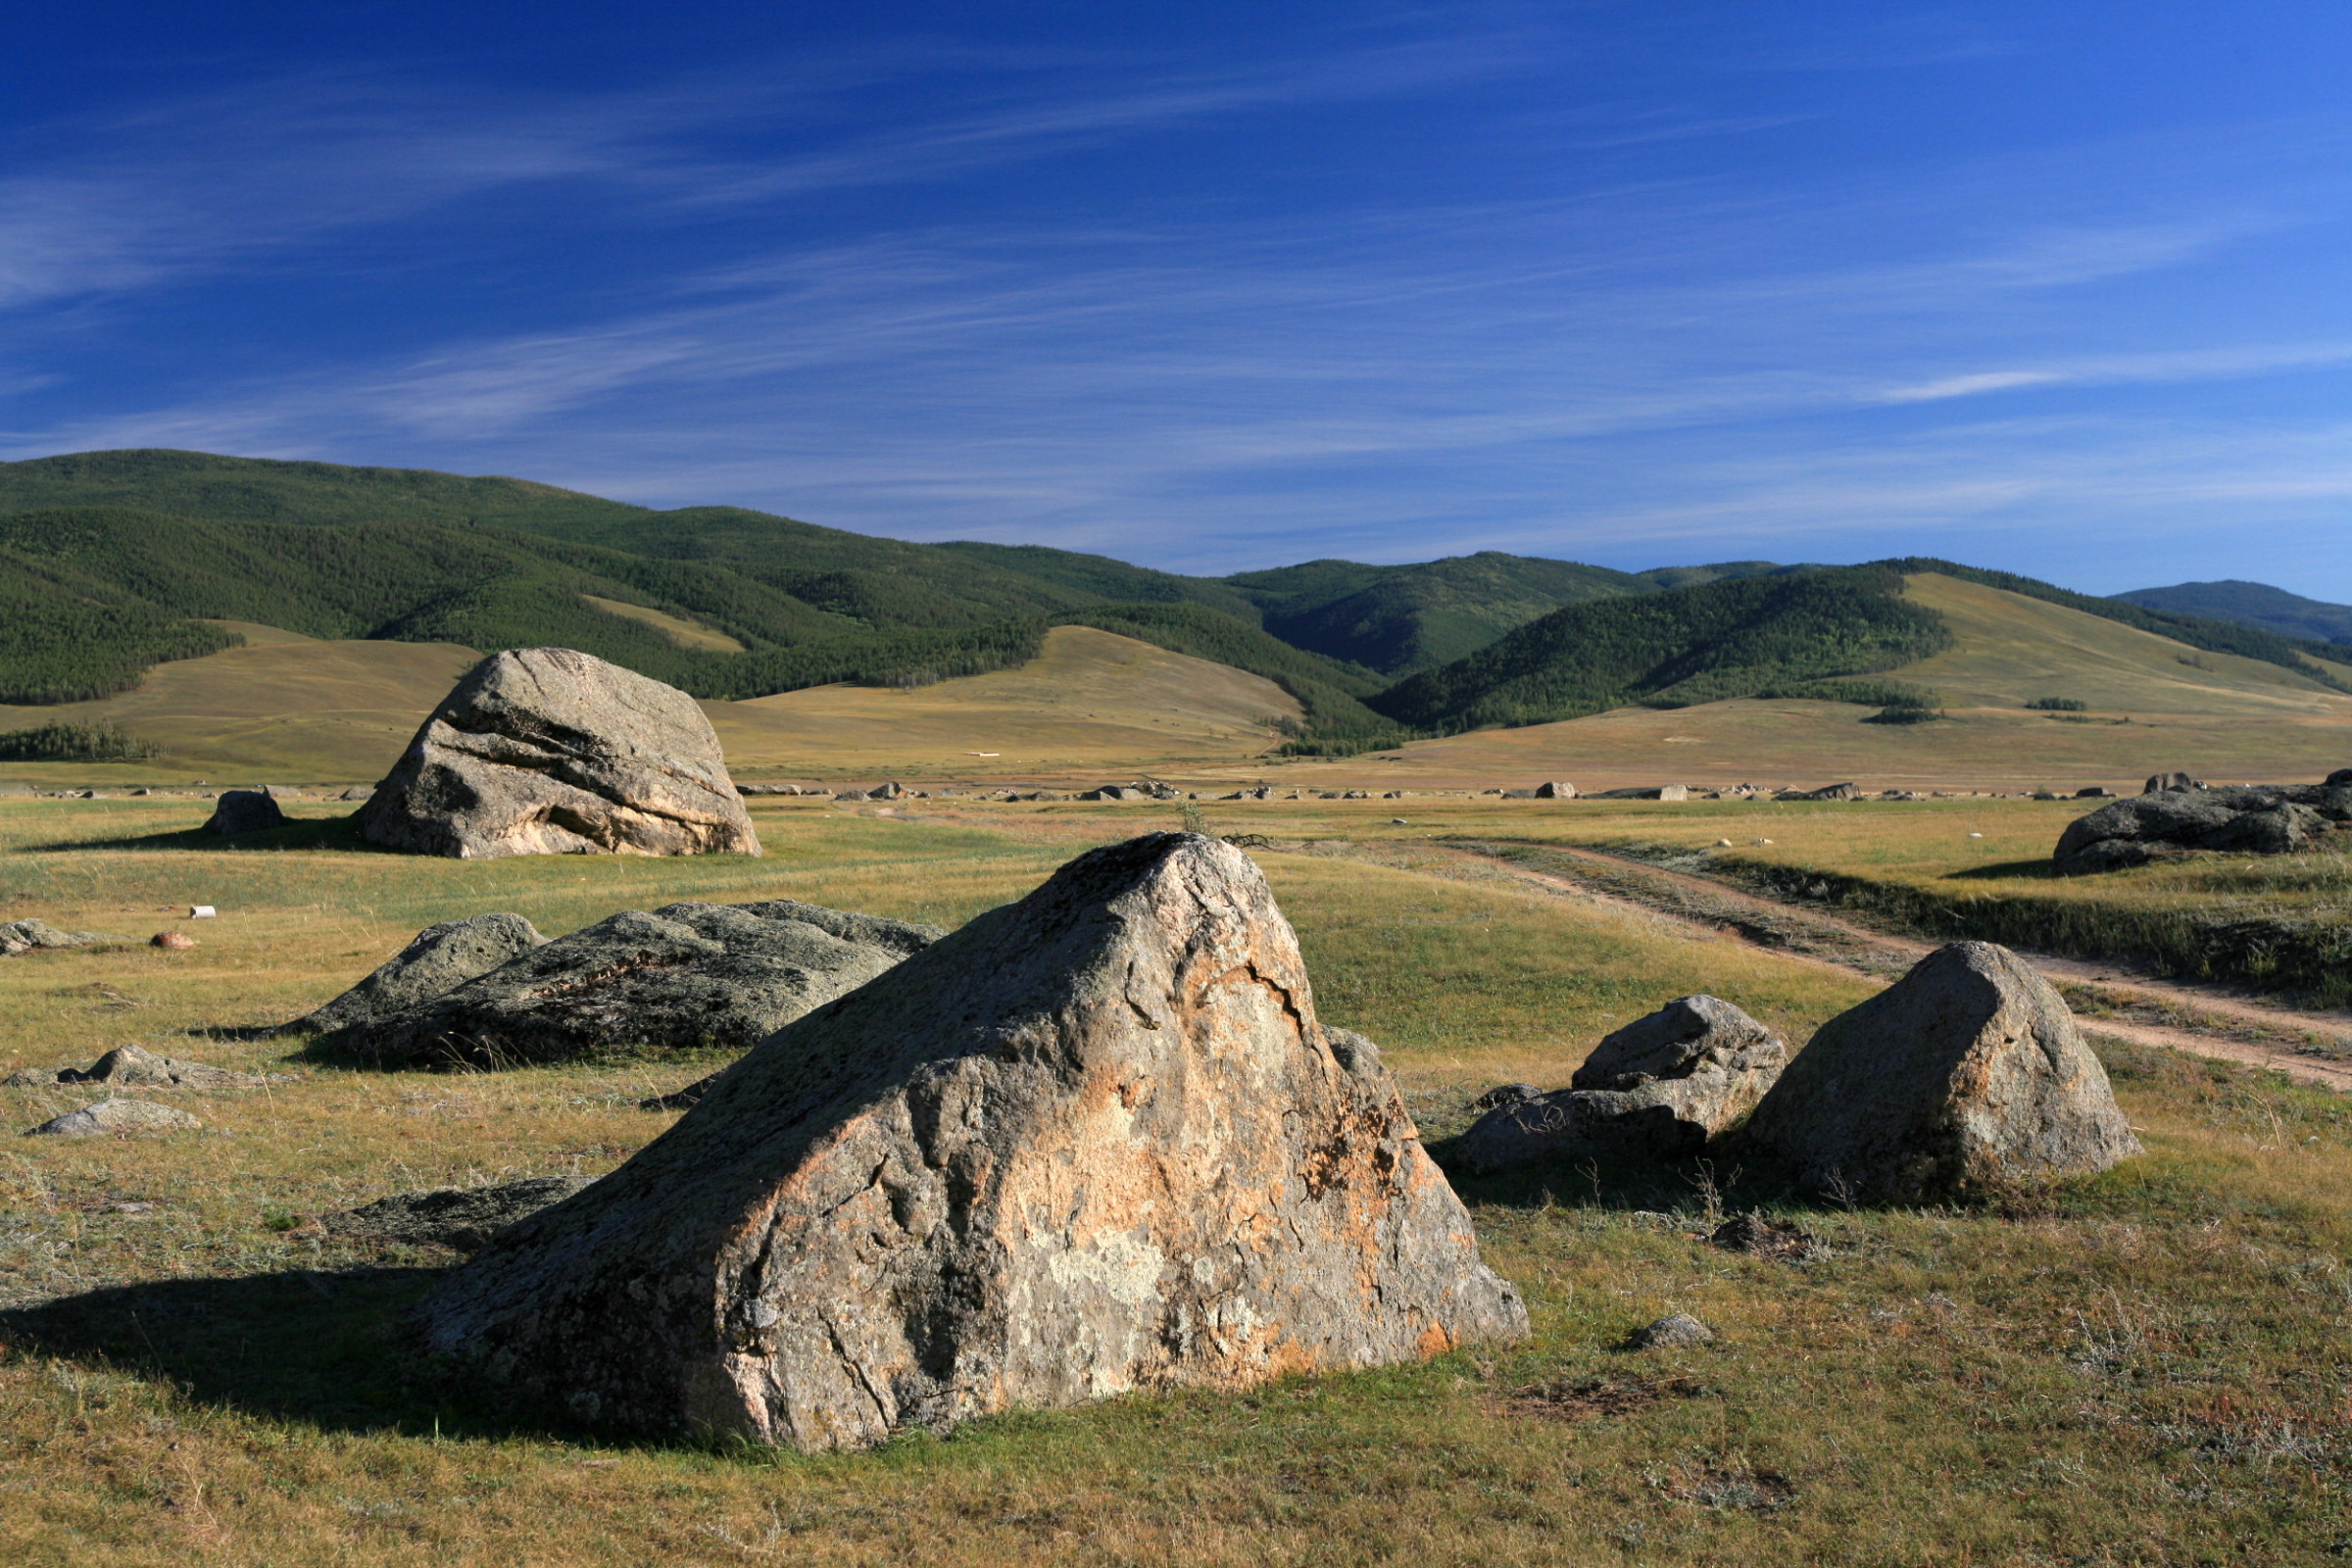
[546, 750]
[1555, 790]
[1095, 1140]
[684, 977]
[1966, 1074]
[437, 960]
[1660, 1088]
[244, 811]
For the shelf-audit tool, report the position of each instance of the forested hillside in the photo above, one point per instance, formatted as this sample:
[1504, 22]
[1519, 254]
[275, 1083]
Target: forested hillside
[1736, 638]
[2251, 604]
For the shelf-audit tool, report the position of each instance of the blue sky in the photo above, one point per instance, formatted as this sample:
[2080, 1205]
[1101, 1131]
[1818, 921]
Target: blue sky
[2056, 287]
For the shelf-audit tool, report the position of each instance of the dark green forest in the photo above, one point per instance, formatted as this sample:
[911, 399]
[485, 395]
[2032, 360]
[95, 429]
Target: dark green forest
[113, 562]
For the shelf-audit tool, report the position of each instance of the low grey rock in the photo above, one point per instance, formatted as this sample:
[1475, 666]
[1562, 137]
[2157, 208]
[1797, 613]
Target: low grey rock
[2093, 792]
[464, 1218]
[549, 751]
[1660, 1088]
[244, 811]
[1672, 1333]
[1966, 1074]
[890, 791]
[1555, 790]
[29, 935]
[1093, 1142]
[684, 977]
[1827, 792]
[850, 795]
[1648, 791]
[2160, 782]
[136, 1067]
[1505, 1095]
[357, 792]
[2258, 819]
[436, 961]
[116, 1118]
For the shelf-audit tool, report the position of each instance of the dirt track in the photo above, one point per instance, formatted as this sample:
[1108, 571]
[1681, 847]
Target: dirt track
[2226, 1025]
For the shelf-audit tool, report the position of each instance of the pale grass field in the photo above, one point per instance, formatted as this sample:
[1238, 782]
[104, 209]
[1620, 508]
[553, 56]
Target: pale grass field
[2146, 1368]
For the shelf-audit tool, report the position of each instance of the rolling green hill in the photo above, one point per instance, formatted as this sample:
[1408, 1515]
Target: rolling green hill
[2251, 604]
[113, 562]
[1740, 637]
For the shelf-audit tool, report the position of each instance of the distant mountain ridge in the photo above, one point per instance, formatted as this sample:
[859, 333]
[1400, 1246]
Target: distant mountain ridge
[111, 562]
[2252, 603]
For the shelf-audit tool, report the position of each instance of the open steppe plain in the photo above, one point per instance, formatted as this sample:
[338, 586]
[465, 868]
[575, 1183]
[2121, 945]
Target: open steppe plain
[2148, 1368]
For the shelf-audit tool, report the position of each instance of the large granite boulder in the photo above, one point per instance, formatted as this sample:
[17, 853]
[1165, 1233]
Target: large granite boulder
[1966, 1074]
[1095, 1140]
[685, 977]
[545, 750]
[1660, 1088]
[2258, 820]
[439, 960]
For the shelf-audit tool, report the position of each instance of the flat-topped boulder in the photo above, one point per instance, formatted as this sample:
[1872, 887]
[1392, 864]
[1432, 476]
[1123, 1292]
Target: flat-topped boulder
[546, 750]
[1967, 1075]
[683, 977]
[116, 1118]
[436, 961]
[1660, 1088]
[1095, 1140]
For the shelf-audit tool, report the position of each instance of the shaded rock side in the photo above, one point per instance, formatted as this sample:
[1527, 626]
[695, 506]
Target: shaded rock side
[546, 751]
[1965, 1074]
[1095, 1140]
[244, 811]
[459, 1218]
[116, 1118]
[1660, 1088]
[437, 960]
[684, 977]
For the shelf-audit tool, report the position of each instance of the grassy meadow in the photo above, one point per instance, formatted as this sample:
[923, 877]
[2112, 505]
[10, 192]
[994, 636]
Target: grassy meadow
[2147, 1368]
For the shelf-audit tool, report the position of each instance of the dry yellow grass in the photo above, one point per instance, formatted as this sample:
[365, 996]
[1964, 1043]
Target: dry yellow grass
[684, 633]
[2147, 1368]
[1092, 700]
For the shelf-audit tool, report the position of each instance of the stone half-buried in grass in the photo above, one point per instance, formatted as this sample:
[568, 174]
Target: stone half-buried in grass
[683, 977]
[436, 961]
[1966, 1076]
[1096, 1140]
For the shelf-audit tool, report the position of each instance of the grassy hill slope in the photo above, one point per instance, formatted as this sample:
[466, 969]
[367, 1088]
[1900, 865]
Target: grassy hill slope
[2251, 604]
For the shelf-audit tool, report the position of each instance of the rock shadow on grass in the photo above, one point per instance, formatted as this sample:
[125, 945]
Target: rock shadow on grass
[334, 833]
[329, 1348]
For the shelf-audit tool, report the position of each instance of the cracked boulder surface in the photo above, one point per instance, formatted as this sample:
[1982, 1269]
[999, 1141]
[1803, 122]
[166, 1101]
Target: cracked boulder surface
[546, 750]
[683, 977]
[1095, 1140]
[1660, 1088]
[1966, 1075]
[437, 960]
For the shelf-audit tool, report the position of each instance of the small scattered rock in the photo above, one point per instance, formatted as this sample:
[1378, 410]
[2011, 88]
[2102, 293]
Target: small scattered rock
[135, 1066]
[244, 811]
[172, 940]
[27, 936]
[1672, 1333]
[1759, 1237]
[464, 1218]
[116, 1118]
[1660, 1088]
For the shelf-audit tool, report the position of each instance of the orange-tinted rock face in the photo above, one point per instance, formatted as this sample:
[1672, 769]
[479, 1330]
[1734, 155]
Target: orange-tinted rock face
[546, 751]
[1094, 1141]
